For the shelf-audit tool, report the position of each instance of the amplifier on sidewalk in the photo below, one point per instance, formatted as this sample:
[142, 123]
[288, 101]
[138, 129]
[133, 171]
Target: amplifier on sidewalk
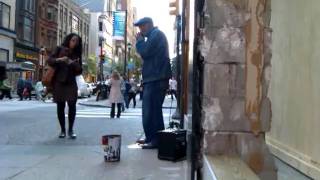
[172, 144]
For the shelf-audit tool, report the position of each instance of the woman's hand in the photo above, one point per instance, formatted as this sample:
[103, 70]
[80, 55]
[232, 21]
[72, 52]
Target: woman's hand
[63, 59]
[74, 61]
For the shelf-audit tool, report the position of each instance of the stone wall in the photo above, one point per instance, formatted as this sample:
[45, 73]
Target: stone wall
[235, 44]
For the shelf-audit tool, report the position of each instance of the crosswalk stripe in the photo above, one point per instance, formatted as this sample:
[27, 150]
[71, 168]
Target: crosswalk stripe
[105, 113]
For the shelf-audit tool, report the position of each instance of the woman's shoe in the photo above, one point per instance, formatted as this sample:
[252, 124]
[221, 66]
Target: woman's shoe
[62, 135]
[72, 135]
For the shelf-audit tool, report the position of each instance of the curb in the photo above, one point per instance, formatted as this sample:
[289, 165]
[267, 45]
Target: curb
[94, 105]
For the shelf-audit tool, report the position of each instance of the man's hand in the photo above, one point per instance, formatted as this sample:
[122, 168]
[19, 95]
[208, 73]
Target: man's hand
[139, 36]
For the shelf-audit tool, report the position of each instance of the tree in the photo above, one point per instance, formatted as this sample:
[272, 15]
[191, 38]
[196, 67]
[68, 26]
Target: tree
[137, 61]
[92, 67]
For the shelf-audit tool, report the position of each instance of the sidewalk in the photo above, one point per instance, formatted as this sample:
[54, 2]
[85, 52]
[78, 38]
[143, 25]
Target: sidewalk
[84, 163]
[36, 153]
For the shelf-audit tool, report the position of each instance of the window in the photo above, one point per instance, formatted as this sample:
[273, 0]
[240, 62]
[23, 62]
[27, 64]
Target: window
[75, 24]
[26, 4]
[4, 15]
[51, 15]
[27, 29]
[84, 29]
[61, 15]
[80, 28]
[100, 26]
[29, 5]
[87, 30]
[118, 5]
[40, 13]
[109, 8]
[4, 55]
[60, 37]
[65, 19]
[70, 19]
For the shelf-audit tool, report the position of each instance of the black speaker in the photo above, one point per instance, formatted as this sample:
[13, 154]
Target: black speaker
[172, 144]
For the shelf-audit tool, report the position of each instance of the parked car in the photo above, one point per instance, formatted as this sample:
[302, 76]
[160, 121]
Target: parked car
[90, 87]
[83, 89]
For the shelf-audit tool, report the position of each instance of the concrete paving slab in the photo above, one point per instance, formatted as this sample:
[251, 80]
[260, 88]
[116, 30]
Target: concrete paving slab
[7, 172]
[87, 162]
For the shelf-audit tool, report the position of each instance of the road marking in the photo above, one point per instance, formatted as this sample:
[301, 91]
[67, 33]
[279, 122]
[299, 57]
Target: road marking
[105, 113]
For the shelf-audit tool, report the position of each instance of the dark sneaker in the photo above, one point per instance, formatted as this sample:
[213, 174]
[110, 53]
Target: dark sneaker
[72, 135]
[141, 141]
[62, 135]
[149, 146]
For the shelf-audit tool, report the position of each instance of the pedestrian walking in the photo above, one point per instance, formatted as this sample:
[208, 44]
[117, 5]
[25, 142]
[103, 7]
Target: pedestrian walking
[67, 62]
[39, 90]
[27, 89]
[173, 87]
[132, 93]
[152, 45]
[115, 97]
[127, 92]
[5, 89]
[20, 88]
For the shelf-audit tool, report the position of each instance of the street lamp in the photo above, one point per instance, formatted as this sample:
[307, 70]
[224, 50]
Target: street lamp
[125, 65]
[42, 51]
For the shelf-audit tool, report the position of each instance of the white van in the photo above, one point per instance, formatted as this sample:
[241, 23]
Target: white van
[83, 89]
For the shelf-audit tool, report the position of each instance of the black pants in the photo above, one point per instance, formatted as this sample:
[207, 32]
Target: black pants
[141, 95]
[5, 93]
[132, 96]
[71, 114]
[113, 106]
[28, 95]
[19, 92]
[173, 92]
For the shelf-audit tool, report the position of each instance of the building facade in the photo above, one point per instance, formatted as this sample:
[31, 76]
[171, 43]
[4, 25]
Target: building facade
[46, 30]
[100, 33]
[73, 19]
[7, 31]
[26, 53]
[7, 35]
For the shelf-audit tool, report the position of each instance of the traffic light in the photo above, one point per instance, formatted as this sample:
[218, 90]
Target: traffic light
[174, 7]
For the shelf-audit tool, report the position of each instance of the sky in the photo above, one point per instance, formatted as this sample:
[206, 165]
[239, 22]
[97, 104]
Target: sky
[158, 10]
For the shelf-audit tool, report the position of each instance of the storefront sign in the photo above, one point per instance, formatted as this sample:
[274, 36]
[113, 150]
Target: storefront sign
[25, 66]
[26, 56]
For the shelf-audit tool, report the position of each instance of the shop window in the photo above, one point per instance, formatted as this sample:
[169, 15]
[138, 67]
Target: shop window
[4, 55]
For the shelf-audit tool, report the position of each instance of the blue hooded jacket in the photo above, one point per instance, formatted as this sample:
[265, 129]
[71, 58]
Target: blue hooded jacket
[155, 54]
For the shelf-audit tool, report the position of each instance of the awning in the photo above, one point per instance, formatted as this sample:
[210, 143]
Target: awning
[23, 66]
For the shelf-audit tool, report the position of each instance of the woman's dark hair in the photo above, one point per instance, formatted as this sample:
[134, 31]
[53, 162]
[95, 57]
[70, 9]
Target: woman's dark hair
[78, 49]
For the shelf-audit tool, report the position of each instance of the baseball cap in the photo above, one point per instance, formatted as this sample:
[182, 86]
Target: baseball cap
[143, 21]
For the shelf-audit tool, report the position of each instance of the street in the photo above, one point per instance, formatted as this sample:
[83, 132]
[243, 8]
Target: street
[30, 147]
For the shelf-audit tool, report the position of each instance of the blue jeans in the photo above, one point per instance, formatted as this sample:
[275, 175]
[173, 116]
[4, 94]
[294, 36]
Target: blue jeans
[152, 117]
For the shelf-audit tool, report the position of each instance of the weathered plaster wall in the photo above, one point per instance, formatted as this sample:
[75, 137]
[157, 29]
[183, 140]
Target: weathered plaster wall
[236, 109]
[295, 84]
